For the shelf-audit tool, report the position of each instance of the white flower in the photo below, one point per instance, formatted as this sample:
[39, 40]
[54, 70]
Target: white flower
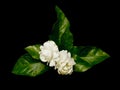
[61, 60]
[65, 63]
[49, 53]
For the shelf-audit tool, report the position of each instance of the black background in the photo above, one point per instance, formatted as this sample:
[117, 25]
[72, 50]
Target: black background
[27, 23]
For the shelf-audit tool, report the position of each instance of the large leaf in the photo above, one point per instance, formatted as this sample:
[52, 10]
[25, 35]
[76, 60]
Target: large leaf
[28, 66]
[87, 57]
[34, 50]
[61, 33]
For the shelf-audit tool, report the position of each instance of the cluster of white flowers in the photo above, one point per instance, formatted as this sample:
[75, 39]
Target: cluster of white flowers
[61, 60]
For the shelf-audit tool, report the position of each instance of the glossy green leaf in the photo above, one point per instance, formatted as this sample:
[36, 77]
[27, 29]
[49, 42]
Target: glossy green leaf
[61, 31]
[28, 66]
[87, 57]
[34, 50]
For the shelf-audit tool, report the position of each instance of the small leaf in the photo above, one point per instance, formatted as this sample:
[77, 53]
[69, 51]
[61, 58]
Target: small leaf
[87, 57]
[61, 33]
[28, 66]
[34, 51]
[81, 65]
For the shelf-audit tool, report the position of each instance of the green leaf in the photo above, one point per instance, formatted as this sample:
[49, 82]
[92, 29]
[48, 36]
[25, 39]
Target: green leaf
[61, 33]
[87, 57]
[28, 66]
[81, 65]
[33, 50]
